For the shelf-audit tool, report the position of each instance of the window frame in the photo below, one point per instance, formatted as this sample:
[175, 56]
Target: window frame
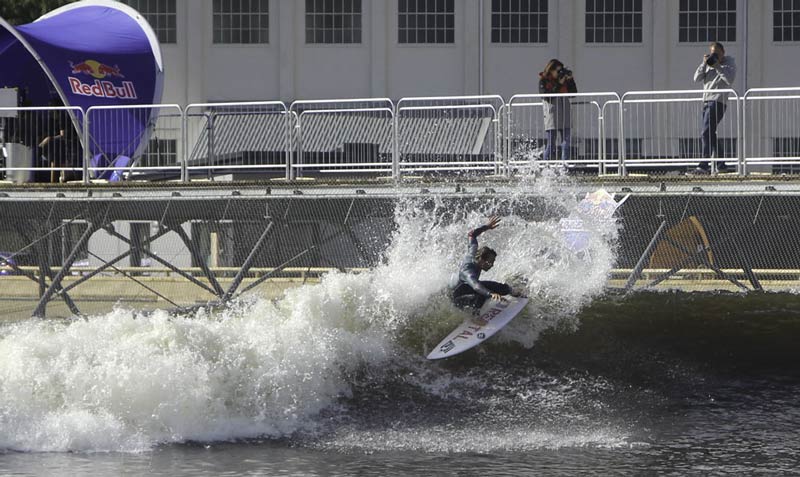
[149, 16]
[772, 23]
[445, 13]
[492, 13]
[359, 15]
[697, 28]
[615, 44]
[240, 16]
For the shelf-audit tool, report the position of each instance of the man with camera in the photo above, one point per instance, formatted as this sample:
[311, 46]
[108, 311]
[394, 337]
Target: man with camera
[717, 71]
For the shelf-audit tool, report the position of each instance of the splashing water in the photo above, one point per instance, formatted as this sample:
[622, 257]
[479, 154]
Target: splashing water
[128, 381]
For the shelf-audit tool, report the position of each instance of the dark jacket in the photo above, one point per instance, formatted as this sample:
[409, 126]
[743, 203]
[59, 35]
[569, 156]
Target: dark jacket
[556, 110]
[469, 272]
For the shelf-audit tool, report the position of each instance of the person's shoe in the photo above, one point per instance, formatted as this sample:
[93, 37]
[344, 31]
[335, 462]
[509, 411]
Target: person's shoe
[700, 171]
[722, 167]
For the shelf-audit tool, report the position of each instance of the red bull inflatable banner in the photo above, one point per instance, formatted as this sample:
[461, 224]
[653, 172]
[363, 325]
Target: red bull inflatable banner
[88, 53]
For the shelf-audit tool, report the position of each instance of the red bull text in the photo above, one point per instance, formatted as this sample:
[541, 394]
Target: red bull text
[101, 87]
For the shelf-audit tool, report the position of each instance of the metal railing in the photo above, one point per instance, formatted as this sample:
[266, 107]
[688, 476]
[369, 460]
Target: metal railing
[127, 141]
[245, 138]
[42, 144]
[575, 137]
[449, 134]
[771, 130]
[353, 136]
[665, 129]
[654, 131]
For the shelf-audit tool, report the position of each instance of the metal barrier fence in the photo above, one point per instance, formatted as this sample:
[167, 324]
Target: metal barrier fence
[771, 130]
[668, 130]
[41, 144]
[352, 136]
[572, 136]
[115, 136]
[242, 138]
[446, 134]
[651, 131]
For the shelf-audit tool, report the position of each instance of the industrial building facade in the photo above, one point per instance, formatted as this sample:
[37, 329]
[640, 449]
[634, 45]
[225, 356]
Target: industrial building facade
[243, 50]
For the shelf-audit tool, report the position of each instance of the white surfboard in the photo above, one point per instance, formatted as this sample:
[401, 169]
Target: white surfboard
[494, 315]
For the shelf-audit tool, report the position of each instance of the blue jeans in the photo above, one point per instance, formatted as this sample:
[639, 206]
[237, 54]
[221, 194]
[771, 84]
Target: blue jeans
[551, 140]
[712, 115]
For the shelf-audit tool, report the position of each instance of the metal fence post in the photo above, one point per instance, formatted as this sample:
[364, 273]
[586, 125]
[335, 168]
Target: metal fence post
[184, 147]
[87, 148]
[743, 138]
[396, 146]
[621, 169]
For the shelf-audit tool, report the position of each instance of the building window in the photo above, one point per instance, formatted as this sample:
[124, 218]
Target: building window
[426, 21]
[241, 22]
[702, 21]
[519, 21]
[333, 21]
[160, 152]
[160, 14]
[786, 20]
[613, 21]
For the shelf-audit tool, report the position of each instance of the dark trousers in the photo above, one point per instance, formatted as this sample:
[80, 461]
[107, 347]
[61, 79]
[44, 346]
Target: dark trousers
[465, 297]
[712, 115]
[550, 149]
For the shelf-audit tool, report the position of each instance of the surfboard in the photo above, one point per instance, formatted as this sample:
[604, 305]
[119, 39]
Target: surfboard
[494, 315]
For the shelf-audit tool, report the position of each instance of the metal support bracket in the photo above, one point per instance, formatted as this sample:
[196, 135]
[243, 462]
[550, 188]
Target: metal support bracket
[55, 282]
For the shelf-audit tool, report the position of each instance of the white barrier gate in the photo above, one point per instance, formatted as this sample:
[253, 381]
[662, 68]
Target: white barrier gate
[243, 138]
[449, 134]
[527, 135]
[354, 136]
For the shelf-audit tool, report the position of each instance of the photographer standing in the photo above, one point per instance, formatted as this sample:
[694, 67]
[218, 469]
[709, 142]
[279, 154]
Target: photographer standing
[556, 79]
[717, 71]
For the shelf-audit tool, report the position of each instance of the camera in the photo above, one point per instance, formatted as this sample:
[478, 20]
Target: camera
[563, 73]
[712, 59]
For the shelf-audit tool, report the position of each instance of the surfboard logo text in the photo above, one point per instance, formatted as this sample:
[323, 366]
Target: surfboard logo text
[488, 316]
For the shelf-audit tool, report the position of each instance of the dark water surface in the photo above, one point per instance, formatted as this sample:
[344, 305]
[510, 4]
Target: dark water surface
[666, 383]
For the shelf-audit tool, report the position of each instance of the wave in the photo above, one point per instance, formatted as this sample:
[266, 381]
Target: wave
[128, 381]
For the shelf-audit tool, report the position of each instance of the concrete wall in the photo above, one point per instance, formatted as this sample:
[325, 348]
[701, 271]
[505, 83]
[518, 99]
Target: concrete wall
[287, 68]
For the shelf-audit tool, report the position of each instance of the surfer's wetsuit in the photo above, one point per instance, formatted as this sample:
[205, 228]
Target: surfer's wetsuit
[468, 291]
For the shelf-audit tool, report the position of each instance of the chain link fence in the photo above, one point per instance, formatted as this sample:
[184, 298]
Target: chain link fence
[161, 249]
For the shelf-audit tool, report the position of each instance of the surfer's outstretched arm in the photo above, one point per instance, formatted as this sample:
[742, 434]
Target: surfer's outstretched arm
[470, 276]
[494, 221]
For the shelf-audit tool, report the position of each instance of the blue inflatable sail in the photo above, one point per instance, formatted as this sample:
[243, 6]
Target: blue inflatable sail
[89, 53]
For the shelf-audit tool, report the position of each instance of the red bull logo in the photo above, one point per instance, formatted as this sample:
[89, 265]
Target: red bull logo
[95, 69]
[101, 87]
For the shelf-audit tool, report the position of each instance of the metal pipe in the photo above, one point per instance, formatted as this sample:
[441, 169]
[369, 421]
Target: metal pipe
[56, 281]
[247, 263]
[637, 270]
[480, 46]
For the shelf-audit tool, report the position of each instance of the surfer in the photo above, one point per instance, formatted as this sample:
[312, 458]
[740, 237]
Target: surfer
[467, 290]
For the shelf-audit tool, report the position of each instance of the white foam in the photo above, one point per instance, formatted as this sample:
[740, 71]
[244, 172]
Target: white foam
[127, 381]
[447, 439]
